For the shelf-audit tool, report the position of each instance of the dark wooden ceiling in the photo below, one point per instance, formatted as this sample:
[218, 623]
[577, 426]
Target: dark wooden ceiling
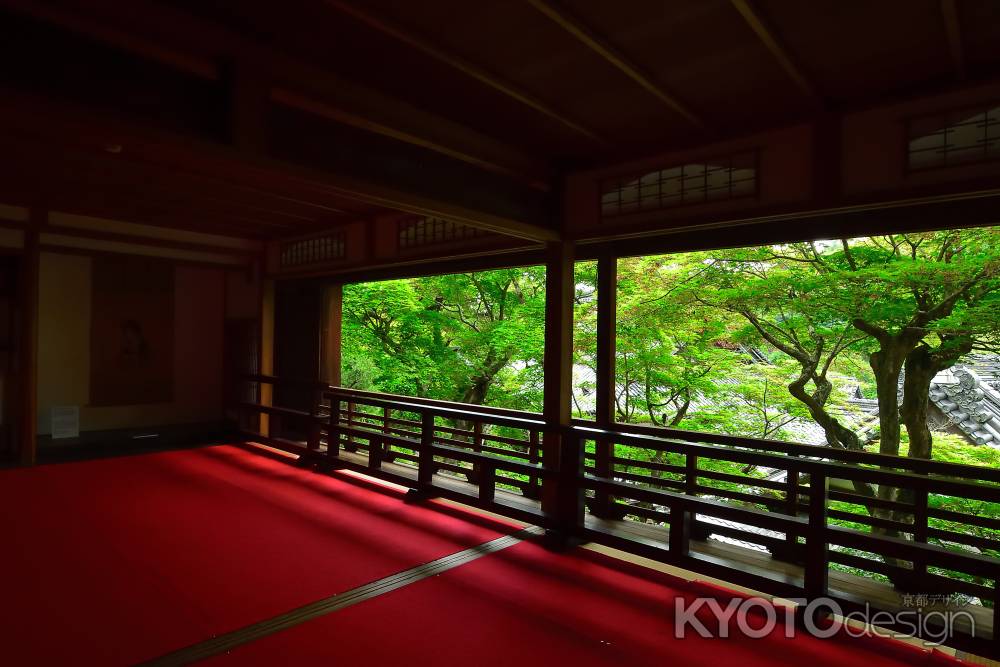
[484, 103]
[703, 53]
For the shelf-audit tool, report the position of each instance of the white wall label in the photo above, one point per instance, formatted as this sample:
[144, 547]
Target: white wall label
[66, 421]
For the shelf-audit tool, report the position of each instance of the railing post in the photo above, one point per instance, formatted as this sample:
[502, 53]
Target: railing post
[425, 462]
[920, 528]
[387, 429]
[691, 474]
[533, 458]
[792, 500]
[350, 446]
[477, 446]
[487, 483]
[603, 449]
[680, 531]
[569, 507]
[313, 428]
[374, 452]
[333, 428]
[996, 615]
[817, 566]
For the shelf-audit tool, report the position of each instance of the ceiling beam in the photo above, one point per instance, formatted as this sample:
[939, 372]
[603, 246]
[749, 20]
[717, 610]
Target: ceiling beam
[773, 44]
[953, 29]
[303, 103]
[173, 37]
[602, 48]
[464, 66]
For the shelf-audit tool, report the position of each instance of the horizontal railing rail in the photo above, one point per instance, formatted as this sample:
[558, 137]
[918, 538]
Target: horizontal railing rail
[805, 510]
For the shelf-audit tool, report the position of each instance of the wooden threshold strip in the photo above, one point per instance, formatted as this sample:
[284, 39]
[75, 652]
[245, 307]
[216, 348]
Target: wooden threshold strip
[230, 640]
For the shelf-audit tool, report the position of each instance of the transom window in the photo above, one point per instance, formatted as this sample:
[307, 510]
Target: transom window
[729, 177]
[954, 137]
[433, 231]
[312, 251]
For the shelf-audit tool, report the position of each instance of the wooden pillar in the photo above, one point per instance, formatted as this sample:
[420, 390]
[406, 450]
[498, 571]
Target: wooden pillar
[607, 299]
[561, 495]
[266, 349]
[333, 303]
[28, 362]
[817, 566]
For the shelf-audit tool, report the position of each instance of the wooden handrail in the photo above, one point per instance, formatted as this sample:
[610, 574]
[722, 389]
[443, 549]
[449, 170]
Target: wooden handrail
[620, 431]
[451, 412]
[649, 437]
[780, 446]
[678, 492]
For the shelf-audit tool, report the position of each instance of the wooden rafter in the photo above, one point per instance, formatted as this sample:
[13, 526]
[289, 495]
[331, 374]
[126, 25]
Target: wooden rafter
[612, 56]
[953, 29]
[464, 66]
[773, 44]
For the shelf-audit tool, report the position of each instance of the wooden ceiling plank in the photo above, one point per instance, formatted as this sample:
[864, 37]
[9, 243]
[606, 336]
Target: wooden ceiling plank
[953, 30]
[464, 66]
[605, 50]
[772, 43]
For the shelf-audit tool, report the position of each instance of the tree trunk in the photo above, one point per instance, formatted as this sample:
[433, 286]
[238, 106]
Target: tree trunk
[887, 364]
[922, 364]
[920, 367]
[837, 435]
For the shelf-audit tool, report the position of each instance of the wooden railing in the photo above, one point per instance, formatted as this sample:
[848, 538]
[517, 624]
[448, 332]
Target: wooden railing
[434, 447]
[805, 511]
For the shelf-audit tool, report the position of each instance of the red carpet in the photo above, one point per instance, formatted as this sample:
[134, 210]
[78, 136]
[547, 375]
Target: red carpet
[121, 560]
[525, 606]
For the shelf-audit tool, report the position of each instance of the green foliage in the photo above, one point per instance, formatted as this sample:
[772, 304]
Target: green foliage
[475, 338]
[749, 341]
